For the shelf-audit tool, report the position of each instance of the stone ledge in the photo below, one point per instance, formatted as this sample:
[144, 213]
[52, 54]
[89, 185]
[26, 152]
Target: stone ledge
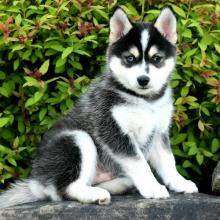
[177, 207]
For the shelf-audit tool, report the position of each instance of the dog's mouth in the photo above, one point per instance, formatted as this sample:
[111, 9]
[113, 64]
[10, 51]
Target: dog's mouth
[143, 87]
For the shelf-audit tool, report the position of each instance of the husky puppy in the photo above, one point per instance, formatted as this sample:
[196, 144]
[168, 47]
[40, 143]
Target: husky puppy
[119, 130]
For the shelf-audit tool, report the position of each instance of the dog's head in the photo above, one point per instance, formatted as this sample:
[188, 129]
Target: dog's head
[142, 55]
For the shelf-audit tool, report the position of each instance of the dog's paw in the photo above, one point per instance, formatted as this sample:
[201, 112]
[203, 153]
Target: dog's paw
[183, 186]
[155, 191]
[96, 195]
[101, 196]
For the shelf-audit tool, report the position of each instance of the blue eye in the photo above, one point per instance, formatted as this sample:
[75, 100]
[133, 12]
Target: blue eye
[130, 59]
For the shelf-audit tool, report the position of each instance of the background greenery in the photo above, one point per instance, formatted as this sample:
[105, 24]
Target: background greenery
[50, 50]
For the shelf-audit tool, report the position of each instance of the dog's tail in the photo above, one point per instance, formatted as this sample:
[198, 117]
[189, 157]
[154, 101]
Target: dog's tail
[22, 192]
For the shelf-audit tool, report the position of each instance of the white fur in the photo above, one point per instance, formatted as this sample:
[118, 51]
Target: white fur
[81, 189]
[23, 192]
[140, 173]
[159, 76]
[144, 39]
[88, 154]
[138, 170]
[88, 194]
[140, 118]
[42, 192]
[117, 186]
[162, 160]
[134, 51]
[152, 51]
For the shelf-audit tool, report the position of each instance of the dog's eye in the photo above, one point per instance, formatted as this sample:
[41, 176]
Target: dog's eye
[130, 59]
[157, 59]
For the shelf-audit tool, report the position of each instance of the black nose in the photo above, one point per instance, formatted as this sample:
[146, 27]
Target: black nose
[143, 80]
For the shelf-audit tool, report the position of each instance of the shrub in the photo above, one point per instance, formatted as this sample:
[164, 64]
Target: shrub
[50, 50]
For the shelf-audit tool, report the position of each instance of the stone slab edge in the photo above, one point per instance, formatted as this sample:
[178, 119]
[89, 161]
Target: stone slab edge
[177, 207]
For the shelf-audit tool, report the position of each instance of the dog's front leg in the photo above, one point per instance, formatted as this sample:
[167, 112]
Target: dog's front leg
[138, 170]
[162, 160]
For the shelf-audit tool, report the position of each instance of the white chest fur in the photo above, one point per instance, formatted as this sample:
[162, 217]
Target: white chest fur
[138, 118]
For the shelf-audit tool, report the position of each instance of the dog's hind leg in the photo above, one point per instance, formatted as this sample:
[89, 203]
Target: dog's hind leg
[117, 186]
[81, 188]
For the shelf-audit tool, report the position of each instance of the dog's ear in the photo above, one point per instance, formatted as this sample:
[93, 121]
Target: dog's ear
[166, 25]
[119, 25]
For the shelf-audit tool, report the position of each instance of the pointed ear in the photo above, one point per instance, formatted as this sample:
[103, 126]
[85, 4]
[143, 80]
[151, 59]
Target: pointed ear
[166, 25]
[119, 25]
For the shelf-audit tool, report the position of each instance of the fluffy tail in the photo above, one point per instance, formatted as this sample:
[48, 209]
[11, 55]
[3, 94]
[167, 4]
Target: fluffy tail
[22, 192]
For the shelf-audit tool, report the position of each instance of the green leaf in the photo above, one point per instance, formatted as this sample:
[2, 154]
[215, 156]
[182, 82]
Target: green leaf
[82, 52]
[4, 121]
[33, 100]
[217, 47]
[21, 126]
[178, 11]
[67, 52]
[16, 64]
[190, 99]
[187, 164]
[32, 82]
[2, 75]
[102, 13]
[26, 54]
[12, 161]
[199, 158]
[60, 62]
[184, 91]
[16, 143]
[18, 47]
[206, 153]
[44, 67]
[5, 150]
[187, 33]
[18, 20]
[201, 126]
[215, 145]
[42, 114]
[205, 111]
[4, 92]
[179, 139]
[192, 151]
[77, 65]
[182, 171]
[55, 46]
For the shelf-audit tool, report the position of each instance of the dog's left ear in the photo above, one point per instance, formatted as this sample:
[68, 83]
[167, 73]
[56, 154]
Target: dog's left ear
[166, 25]
[119, 25]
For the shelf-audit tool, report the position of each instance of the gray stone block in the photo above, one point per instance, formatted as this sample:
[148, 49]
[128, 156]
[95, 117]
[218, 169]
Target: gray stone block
[177, 207]
[216, 179]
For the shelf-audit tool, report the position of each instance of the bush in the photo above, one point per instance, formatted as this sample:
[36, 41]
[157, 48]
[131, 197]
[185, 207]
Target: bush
[50, 50]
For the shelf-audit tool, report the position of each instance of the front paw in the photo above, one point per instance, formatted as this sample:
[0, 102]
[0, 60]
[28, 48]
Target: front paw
[183, 186]
[155, 191]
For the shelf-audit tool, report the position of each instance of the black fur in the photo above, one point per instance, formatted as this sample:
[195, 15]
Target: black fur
[58, 161]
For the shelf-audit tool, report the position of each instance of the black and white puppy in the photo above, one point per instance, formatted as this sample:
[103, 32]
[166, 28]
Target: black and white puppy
[118, 130]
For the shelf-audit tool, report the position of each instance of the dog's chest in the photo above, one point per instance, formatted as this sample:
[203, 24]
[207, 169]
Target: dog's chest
[140, 119]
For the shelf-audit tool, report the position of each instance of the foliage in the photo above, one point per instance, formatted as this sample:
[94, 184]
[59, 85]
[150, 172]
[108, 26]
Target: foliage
[50, 50]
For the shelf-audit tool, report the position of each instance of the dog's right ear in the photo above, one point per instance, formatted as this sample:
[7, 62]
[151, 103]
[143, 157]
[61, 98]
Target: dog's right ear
[119, 25]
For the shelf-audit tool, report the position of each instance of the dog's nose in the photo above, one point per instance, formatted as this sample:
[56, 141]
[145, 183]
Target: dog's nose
[143, 80]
